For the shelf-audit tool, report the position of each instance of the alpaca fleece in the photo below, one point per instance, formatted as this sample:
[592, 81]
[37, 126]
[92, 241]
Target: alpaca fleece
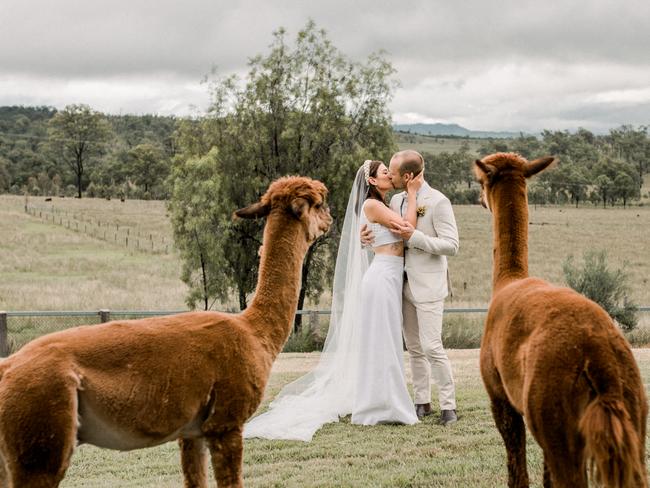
[554, 357]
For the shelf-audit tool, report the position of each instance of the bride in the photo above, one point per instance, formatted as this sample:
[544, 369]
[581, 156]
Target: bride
[361, 369]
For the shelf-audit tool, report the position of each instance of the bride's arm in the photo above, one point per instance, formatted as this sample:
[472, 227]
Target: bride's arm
[412, 187]
[377, 212]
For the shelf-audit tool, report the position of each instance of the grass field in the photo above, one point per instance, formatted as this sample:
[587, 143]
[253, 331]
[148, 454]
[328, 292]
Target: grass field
[434, 144]
[46, 266]
[468, 454]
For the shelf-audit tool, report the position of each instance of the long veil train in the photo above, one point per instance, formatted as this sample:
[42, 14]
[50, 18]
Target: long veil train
[326, 393]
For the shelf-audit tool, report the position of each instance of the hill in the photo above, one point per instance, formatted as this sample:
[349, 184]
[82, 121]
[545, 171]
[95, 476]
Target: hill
[454, 130]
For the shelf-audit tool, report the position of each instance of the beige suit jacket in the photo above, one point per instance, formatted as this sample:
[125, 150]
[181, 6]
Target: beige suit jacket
[435, 237]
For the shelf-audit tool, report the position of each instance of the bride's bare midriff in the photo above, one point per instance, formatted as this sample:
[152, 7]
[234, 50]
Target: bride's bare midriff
[393, 249]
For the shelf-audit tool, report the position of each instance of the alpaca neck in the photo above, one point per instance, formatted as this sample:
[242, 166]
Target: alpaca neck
[510, 235]
[273, 307]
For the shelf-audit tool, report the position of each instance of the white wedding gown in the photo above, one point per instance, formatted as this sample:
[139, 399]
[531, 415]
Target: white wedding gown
[380, 393]
[361, 368]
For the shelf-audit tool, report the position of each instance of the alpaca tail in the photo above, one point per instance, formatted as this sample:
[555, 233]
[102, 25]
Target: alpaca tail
[613, 450]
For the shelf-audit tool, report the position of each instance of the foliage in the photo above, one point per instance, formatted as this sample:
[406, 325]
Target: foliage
[606, 287]
[77, 136]
[148, 167]
[25, 149]
[605, 169]
[198, 222]
[304, 340]
[304, 108]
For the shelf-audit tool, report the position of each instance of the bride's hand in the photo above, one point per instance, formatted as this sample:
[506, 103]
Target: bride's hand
[414, 184]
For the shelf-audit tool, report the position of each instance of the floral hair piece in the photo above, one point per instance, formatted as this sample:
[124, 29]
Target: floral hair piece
[366, 170]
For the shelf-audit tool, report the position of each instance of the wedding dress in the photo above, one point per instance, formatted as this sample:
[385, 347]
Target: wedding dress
[361, 368]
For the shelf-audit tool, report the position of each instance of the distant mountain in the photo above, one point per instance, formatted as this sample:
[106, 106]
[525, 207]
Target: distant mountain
[450, 130]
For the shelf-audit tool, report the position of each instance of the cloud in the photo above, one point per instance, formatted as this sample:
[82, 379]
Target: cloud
[164, 94]
[489, 65]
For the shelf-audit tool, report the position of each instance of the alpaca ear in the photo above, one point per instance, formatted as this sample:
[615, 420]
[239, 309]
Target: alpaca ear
[538, 165]
[483, 171]
[299, 207]
[253, 211]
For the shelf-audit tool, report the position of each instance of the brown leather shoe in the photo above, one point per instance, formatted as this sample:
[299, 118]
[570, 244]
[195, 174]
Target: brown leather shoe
[448, 417]
[422, 410]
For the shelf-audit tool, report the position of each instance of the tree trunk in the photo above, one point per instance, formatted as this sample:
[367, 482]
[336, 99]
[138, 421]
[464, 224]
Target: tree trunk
[205, 283]
[80, 170]
[297, 324]
[242, 298]
[79, 183]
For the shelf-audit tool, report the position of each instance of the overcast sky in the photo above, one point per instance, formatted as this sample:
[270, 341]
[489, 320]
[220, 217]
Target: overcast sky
[486, 65]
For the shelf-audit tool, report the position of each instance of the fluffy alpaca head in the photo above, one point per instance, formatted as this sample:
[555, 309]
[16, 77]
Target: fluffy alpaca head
[506, 167]
[296, 197]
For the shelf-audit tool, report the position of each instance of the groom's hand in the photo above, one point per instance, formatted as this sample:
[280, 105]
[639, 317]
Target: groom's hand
[403, 229]
[366, 236]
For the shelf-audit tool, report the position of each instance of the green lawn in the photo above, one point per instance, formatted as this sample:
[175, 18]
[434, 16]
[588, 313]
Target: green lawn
[468, 454]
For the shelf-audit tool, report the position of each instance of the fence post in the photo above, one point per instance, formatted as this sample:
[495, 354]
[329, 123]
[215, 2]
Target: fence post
[4, 350]
[313, 322]
[104, 315]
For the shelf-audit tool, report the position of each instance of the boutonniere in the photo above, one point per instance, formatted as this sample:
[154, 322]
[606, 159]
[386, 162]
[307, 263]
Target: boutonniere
[421, 211]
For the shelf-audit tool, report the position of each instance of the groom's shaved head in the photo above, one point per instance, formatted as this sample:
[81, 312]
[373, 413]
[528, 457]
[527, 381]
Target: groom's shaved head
[409, 161]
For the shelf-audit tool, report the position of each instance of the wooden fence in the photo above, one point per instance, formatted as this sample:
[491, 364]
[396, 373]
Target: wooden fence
[105, 231]
[28, 325]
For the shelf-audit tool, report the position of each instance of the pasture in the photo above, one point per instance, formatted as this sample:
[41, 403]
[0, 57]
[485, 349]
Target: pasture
[469, 453]
[435, 144]
[46, 266]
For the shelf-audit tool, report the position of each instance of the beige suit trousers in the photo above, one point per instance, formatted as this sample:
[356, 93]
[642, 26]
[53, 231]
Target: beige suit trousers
[423, 336]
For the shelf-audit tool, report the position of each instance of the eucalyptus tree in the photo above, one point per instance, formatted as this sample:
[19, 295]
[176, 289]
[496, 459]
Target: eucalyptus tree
[633, 146]
[148, 167]
[77, 137]
[303, 108]
[198, 221]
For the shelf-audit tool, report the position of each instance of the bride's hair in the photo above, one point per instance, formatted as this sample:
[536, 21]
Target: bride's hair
[372, 191]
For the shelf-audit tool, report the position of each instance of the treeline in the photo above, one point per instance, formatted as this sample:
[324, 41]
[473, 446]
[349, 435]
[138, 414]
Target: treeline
[79, 151]
[601, 169]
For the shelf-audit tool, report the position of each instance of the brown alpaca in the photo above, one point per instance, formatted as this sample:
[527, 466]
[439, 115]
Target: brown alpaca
[554, 357]
[196, 377]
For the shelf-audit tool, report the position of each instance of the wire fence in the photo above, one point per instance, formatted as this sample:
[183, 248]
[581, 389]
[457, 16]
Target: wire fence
[106, 231]
[18, 328]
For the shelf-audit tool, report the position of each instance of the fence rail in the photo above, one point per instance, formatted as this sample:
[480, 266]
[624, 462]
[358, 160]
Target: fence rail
[19, 327]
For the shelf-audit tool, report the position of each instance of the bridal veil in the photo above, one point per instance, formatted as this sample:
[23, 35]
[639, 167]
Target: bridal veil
[326, 393]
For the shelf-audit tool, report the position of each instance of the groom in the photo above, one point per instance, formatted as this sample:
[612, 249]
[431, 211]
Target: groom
[425, 284]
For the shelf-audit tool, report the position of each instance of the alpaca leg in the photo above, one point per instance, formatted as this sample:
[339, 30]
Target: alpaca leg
[565, 469]
[38, 421]
[553, 423]
[513, 431]
[194, 461]
[227, 453]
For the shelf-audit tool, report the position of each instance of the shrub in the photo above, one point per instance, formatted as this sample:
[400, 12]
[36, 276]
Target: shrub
[305, 340]
[608, 288]
[461, 331]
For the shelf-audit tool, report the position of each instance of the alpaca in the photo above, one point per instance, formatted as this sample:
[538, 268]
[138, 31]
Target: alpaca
[196, 377]
[554, 357]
